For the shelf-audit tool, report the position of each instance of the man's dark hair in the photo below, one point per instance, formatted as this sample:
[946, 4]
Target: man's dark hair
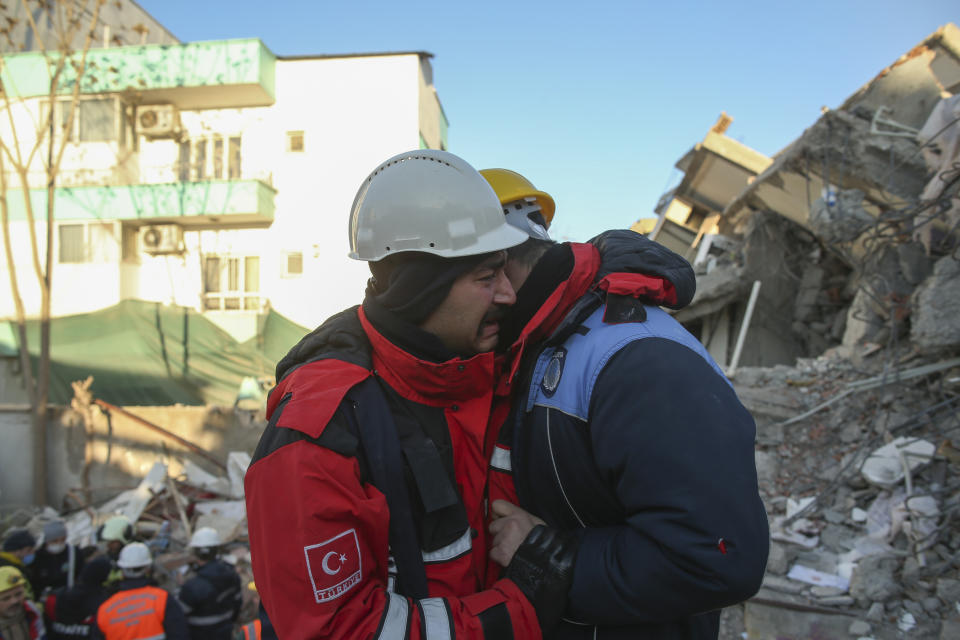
[529, 252]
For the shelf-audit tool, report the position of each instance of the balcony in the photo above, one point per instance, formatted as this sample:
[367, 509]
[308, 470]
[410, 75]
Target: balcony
[195, 75]
[209, 204]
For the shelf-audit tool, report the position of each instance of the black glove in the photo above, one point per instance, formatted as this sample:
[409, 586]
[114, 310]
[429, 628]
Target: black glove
[542, 568]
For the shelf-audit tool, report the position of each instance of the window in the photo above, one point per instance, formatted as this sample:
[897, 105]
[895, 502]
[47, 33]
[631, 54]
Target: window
[231, 283]
[98, 120]
[292, 264]
[72, 247]
[295, 141]
[86, 242]
[234, 150]
[218, 158]
[94, 120]
[183, 162]
[200, 164]
[209, 158]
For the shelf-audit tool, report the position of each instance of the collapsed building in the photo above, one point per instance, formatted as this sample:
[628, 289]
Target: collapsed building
[828, 282]
[839, 228]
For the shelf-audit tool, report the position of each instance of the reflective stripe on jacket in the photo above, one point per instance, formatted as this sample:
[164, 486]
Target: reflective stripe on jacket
[251, 630]
[136, 614]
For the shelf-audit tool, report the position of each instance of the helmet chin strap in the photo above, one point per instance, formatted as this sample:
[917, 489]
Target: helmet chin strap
[520, 214]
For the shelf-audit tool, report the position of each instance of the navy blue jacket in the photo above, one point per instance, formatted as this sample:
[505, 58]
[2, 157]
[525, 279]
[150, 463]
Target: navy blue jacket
[71, 612]
[211, 600]
[629, 433]
[51, 571]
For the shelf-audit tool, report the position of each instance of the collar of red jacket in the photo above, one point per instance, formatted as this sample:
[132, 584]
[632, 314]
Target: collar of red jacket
[431, 383]
[586, 262]
[317, 388]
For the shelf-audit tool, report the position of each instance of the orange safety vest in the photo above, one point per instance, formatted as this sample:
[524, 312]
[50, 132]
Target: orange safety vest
[136, 614]
[251, 630]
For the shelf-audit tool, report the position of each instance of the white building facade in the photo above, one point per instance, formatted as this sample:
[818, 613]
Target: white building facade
[214, 175]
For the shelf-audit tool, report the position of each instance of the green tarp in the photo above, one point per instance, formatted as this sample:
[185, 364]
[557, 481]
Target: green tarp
[144, 353]
[275, 337]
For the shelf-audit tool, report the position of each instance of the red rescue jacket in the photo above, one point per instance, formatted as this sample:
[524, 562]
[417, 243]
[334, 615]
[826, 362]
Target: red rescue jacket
[319, 531]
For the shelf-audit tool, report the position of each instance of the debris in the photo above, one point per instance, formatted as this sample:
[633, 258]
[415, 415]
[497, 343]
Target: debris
[906, 622]
[167, 434]
[819, 578]
[888, 465]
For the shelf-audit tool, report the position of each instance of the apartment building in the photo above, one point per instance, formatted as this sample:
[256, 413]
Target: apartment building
[212, 175]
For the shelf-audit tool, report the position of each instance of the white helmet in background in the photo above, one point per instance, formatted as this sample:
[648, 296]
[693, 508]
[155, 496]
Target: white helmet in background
[135, 555]
[430, 201]
[205, 537]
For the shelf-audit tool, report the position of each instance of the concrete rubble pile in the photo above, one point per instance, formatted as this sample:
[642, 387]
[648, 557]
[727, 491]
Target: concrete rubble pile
[854, 233]
[165, 511]
[862, 487]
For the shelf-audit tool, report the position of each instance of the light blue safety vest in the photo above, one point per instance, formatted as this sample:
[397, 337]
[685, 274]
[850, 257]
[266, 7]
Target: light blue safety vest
[564, 376]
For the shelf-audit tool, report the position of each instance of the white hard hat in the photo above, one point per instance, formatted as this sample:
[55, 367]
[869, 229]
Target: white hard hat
[134, 556]
[430, 201]
[205, 537]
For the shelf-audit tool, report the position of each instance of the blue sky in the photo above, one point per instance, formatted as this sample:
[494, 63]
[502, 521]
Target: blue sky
[596, 101]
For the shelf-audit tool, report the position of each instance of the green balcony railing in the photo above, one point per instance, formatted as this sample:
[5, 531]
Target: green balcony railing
[222, 73]
[213, 203]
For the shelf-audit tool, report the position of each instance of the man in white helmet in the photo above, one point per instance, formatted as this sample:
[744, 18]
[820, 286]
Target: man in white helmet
[367, 495]
[211, 598]
[139, 610]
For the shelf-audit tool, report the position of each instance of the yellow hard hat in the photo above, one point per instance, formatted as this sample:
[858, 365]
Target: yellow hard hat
[511, 186]
[10, 577]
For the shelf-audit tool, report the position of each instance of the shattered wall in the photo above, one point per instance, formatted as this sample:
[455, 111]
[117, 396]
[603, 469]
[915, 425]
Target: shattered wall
[115, 452]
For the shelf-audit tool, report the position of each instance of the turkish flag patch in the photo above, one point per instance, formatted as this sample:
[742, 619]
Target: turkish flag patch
[334, 565]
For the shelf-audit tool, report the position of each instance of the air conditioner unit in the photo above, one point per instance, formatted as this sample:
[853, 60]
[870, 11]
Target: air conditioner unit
[158, 121]
[161, 238]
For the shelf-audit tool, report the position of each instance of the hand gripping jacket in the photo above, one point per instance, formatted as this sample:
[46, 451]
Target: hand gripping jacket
[631, 434]
[319, 528]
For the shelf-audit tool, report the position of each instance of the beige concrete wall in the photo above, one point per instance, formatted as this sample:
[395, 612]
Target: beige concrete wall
[117, 451]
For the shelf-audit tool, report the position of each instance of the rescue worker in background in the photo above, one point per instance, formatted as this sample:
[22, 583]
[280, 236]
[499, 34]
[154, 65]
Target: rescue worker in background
[57, 564]
[71, 612]
[366, 497]
[139, 610]
[652, 453]
[258, 628]
[211, 598]
[115, 533]
[18, 552]
[19, 617]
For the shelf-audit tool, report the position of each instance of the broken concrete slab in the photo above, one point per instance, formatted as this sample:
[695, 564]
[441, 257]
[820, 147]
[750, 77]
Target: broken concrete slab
[764, 621]
[839, 216]
[935, 308]
[874, 580]
[886, 466]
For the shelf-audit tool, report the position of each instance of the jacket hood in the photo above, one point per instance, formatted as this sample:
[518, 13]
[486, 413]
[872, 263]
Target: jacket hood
[626, 252]
[572, 279]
